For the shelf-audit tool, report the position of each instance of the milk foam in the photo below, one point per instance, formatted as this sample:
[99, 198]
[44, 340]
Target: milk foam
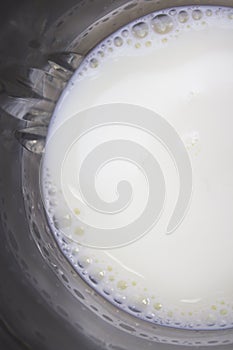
[177, 62]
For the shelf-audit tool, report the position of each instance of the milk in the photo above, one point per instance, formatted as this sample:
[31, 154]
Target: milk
[179, 64]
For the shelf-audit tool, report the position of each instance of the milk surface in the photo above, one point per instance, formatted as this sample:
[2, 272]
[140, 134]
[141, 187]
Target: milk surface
[179, 64]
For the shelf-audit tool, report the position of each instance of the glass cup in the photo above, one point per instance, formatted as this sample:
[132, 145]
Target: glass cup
[45, 303]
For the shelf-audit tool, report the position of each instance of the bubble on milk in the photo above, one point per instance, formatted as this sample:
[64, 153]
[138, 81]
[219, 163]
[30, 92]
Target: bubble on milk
[162, 24]
[153, 30]
[118, 41]
[197, 15]
[140, 30]
[183, 16]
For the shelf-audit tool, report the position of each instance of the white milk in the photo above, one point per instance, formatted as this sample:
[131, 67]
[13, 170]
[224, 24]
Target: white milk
[181, 67]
